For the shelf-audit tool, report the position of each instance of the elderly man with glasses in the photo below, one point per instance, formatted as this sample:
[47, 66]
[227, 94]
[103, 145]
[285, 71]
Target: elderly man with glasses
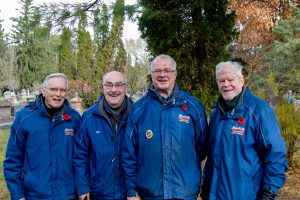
[165, 139]
[39, 155]
[97, 161]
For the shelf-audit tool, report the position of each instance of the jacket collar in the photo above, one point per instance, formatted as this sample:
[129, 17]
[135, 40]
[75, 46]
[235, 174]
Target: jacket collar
[173, 96]
[239, 105]
[98, 108]
[39, 105]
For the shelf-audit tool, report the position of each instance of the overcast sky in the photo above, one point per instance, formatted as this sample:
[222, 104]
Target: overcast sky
[9, 10]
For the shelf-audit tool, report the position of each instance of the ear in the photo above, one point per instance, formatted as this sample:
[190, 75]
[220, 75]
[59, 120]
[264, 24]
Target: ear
[242, 81]
[43, 92]
[176, 74]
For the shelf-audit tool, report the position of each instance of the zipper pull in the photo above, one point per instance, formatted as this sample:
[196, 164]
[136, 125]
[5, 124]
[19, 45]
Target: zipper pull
[232, 112]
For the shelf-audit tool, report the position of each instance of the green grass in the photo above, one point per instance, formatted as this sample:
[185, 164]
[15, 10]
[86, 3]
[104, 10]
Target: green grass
[4, 133]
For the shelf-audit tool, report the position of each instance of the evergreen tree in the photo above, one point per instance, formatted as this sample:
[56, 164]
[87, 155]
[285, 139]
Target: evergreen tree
[86, 73]
[113, 55]
[85, 50]
[22, 38]
[282, 62]
[66, 56]
[116, 36]
[34, 57]
[101, 27]
[195, 33]
[44, 48]
[3, 63]
[2, 40]
[101, 31]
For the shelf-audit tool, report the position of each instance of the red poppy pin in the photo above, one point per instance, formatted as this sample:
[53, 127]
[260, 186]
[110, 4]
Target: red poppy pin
[183, 107]
[67, 117]
[241, 121]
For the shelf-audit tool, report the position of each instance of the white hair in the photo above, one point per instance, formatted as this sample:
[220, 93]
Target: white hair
[235, 65]
[53, 75]
[106, 74]
[163, 57]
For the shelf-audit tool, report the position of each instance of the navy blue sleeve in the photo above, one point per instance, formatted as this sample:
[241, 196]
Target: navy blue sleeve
[129, 157]
[13, 163]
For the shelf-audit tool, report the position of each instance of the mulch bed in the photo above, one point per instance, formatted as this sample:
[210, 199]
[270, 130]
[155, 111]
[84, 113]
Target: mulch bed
[291, 189]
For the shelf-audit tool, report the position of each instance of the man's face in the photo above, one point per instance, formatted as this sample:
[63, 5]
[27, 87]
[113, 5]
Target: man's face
[55, 93]
[164, 77]
[229, 84]
[115, 89]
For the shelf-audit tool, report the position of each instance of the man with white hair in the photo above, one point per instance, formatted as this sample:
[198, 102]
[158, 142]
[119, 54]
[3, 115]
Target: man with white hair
[39, 155]
[247, 154]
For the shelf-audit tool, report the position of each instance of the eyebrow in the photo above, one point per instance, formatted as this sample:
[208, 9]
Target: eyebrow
[114, 82]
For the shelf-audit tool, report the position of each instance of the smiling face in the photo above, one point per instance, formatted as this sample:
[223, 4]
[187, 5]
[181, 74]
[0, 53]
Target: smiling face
[163, 76]
[229, 83]
[115, 88]
[55, 93]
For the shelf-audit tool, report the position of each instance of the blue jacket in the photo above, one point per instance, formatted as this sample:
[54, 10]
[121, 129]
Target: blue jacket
[246, 151]
[164, 144]
[97, 154]
[39, 154]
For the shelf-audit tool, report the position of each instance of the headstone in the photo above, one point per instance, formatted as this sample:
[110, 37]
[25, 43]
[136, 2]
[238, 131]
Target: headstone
[76, 103]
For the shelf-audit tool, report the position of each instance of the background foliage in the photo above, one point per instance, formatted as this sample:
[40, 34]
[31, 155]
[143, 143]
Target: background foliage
[84, 40]
[195, 34]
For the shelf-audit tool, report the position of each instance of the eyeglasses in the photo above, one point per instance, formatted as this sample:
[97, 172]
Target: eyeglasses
[111, 85]
[55, 90]
[166, 71]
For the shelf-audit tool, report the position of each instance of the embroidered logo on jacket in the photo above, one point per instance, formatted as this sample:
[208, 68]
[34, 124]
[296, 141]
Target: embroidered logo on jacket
[69, 131]
[184, 118]
[238, 130]
[149, 134]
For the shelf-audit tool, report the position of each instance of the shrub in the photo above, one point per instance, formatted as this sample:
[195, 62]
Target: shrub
[289, 117]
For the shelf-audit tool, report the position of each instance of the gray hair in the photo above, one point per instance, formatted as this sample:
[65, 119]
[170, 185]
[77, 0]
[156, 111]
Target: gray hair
[54, 75]
[237, 68]
[107, 73]
[162, 57]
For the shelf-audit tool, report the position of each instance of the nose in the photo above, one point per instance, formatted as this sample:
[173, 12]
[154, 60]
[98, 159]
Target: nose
[59, 92]
[226, 83]
[114, 88]
[162, 73]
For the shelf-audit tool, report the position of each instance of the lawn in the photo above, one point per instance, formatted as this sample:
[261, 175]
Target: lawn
[4, 133]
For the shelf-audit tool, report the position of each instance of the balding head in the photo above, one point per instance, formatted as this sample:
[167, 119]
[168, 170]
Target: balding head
[114, 88]
[114, 73]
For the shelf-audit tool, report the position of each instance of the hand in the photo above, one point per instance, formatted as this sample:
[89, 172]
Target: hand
[268, 195]
[85, 196]
[134, 198]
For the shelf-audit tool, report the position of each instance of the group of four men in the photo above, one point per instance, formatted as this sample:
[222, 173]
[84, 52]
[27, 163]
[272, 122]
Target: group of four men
[150, 149]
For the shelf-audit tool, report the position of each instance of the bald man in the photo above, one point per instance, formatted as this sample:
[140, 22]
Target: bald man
[97, 146]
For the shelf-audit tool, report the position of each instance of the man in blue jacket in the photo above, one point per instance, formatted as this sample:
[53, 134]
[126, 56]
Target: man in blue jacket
[97, 148]
[247, 155]
[165, 139]
[39, 155]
